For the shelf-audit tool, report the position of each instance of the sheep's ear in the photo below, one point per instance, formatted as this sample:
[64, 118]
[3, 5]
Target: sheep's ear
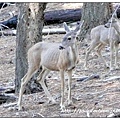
[78, 28]
[66, 27]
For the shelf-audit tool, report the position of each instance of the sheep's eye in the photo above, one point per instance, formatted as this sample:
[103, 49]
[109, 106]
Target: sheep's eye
[69, 38]
[77, 38]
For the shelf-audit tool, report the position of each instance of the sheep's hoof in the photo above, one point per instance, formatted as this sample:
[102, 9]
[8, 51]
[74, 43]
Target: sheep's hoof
[70, 102]
[107, 67]
[85, 68]
[72, 105]
[117, 68]
[62, 107]
[19, 108]
[111, 69]
[52, 102]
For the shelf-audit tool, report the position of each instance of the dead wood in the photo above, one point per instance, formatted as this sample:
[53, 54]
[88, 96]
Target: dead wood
[60, 16]
[10, 23]
[7, 98]
[86, 78]
[3, 4]
[10, 89]
[8, 33]
[50, 17]
[44, 32]
[112, 78]
[10, 105]
[114, 115]
[38, 115]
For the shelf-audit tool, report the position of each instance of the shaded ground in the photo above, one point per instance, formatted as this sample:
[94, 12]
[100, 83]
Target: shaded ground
[98, 96]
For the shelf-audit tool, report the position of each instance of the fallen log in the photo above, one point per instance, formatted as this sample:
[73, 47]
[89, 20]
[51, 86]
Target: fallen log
[60, 16]
[51, 17]
[10, 89]
[7, 98]
[5, 4]
[10, 23]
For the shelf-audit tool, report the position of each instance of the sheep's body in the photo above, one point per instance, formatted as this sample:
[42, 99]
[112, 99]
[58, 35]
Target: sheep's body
[49, 56]
[102, 36]
[52, 57]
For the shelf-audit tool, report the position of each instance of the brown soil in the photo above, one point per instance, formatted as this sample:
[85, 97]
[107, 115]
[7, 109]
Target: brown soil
[98, 96]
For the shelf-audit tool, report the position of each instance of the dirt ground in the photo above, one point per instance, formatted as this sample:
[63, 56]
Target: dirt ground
[93, 98]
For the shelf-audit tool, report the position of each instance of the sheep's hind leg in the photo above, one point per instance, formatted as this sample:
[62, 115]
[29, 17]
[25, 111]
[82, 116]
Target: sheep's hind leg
[41, 79]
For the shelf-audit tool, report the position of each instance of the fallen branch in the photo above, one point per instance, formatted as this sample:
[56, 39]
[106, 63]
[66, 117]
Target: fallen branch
[86, 78]
[8, 33]
[114, 115]
[44, 32]
[112, 78]
[7, 98]
[9, 89]
[111, 115]
[10, 105]
[3, 4]
[38, 115]
[53, 31]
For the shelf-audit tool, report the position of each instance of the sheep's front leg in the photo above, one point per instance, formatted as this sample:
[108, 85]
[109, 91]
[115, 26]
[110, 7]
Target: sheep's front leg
[69, 87]
[92, 46]
[24, 81]
[116, 56]
[62, 89]
[111, 56]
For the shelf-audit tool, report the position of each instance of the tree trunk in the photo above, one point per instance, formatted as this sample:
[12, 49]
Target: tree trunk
[94, 14]
[29, 32]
